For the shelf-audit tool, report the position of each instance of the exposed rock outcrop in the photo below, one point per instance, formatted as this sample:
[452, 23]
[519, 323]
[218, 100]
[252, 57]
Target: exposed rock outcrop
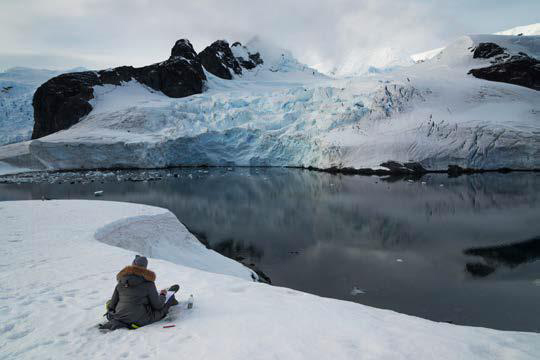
[219, 60]
[246, 59]
[224, 61]
[406, 168]
[518, 70]
[487, 50]
[63, 100]
[183, 48]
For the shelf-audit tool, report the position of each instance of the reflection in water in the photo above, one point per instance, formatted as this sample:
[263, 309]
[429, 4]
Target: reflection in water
[511, 255]
[238, 250]
[399, 241]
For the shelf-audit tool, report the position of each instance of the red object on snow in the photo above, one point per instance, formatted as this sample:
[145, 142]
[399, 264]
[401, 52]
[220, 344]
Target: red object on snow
[169, 326]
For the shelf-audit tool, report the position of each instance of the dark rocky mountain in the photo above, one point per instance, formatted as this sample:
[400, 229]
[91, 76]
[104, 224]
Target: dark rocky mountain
[183, 48]
[63, 100]
[518, 69]
[219, 60]
[487, 50]
[252, 60]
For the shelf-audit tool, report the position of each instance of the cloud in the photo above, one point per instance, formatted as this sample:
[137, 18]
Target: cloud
[138, 32]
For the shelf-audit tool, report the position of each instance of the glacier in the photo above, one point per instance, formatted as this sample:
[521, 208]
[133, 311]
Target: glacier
[284, 113]
[17, 86]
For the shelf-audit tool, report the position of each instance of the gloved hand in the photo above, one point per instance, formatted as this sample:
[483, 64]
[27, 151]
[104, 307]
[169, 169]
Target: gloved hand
[163, 292]
[108, 310]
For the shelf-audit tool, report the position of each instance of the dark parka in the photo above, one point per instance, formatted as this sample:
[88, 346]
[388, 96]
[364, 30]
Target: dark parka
[135, 299]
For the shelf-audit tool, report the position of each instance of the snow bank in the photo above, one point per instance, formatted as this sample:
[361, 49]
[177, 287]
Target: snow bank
[16, 158]
[7, 169]
[56, 275]
[162, 236]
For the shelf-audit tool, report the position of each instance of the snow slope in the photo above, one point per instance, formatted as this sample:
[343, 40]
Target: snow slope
[278, 64]
[526, 30]
[284, 115]
[426, 55]
[361, 61]
[56, 276]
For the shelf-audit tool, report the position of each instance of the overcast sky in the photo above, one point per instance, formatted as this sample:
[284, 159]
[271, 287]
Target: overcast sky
[100, 33]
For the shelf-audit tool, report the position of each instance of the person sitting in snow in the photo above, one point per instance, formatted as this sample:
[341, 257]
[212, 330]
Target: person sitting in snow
[136, 301]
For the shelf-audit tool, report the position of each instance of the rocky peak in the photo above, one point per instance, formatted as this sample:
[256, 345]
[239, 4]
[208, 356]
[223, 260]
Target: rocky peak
[246, 59]
[65, 99]
[184, 49]
[219, 60]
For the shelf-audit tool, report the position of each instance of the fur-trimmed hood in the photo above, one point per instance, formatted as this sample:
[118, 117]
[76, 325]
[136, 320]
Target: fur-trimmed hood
[146, 274]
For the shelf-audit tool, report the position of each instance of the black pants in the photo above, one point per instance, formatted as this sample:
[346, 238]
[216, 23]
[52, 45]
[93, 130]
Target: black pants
[114, 324]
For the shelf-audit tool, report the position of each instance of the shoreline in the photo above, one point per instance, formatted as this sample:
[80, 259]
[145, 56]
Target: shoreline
[395, 169]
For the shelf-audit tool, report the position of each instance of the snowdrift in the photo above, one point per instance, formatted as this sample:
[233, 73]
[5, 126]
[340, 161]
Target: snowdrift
[56, 276]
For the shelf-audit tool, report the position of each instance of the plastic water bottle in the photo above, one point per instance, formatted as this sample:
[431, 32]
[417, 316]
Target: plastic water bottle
[190, 302]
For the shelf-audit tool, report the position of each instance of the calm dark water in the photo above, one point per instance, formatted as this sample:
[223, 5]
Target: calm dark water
[466, 252]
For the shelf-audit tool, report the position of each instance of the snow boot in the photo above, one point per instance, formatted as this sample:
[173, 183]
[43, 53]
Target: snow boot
[112, 325]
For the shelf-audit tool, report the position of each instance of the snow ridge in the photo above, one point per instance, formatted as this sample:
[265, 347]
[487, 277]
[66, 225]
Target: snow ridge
[526, 30]
[174, 243]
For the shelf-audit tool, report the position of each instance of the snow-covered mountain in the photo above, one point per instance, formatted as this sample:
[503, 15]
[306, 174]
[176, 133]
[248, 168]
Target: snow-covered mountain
[360, 62]
[17, 86]
[278, 62]
[526, 30]
[283, 113]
